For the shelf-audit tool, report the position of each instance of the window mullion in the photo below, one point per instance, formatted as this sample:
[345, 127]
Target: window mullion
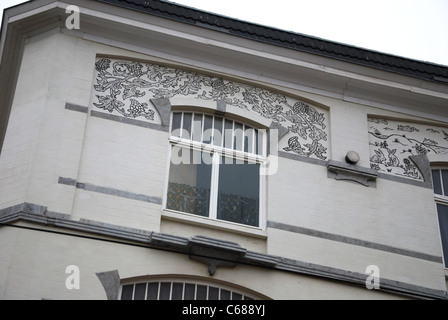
[214, 186]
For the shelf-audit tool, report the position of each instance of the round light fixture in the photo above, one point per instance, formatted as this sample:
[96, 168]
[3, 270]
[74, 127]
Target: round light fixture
[352, 157]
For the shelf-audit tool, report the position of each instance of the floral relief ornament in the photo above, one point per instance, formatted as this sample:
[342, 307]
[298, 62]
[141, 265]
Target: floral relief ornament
[392, 143]
[126, 87]
[124, 81]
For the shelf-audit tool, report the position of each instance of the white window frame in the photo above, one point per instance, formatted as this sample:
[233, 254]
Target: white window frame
[219, 151]
[442, 200]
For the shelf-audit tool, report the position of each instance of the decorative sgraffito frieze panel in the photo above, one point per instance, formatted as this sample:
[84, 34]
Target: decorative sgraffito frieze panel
[392, 143]
[125, 88]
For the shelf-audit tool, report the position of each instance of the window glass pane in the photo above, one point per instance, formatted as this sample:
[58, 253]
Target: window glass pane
[249, 140]
[228, 134]
[189, 182]
[208, 132]
[186, 127]
[217, 132]
[213, 293]
[238, 137]
[140, 289]
[165, 290]
[259, 141]
[153, 290]
[238, 192]
[197, 127]
[189, 291]
[175, 130]
[445, 181]
[201, 293]
[436, 182]
[443, 223]
[236, 296]
[126, 292]
[225, 294]
[178, 288]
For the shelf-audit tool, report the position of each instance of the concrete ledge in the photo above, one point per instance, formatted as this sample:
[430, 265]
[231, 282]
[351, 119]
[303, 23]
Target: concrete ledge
[349, 172]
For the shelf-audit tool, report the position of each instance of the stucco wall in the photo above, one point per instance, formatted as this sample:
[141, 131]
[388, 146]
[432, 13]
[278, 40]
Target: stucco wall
[97, 166]
[35, 272]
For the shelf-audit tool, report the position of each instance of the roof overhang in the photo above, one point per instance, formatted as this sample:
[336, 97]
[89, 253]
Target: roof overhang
[205, 49]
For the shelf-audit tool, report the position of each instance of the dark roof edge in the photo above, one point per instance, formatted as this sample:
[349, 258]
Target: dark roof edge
[287, 39]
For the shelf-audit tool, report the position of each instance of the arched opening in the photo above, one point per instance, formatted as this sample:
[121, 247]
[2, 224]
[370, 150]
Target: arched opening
[184, 288]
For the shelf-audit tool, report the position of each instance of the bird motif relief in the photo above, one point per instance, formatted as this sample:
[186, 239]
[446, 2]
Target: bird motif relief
[295, 146]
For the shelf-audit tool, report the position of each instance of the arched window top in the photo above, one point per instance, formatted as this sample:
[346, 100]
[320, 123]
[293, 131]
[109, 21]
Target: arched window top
[217, 131]
[220, 107]
[184, 289]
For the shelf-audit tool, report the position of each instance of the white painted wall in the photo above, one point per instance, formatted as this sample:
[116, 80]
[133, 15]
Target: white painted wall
[45, 141]
[35, 272]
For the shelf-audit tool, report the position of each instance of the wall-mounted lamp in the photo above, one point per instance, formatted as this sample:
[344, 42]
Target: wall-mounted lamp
[352, 157]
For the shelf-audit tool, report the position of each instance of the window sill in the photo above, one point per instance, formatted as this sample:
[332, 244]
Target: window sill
[214, 224]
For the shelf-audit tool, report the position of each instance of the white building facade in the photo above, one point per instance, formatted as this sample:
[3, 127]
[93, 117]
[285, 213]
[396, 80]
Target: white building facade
[153, 151]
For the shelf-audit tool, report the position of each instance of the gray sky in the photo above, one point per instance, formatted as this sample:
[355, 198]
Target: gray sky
[416, 29]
